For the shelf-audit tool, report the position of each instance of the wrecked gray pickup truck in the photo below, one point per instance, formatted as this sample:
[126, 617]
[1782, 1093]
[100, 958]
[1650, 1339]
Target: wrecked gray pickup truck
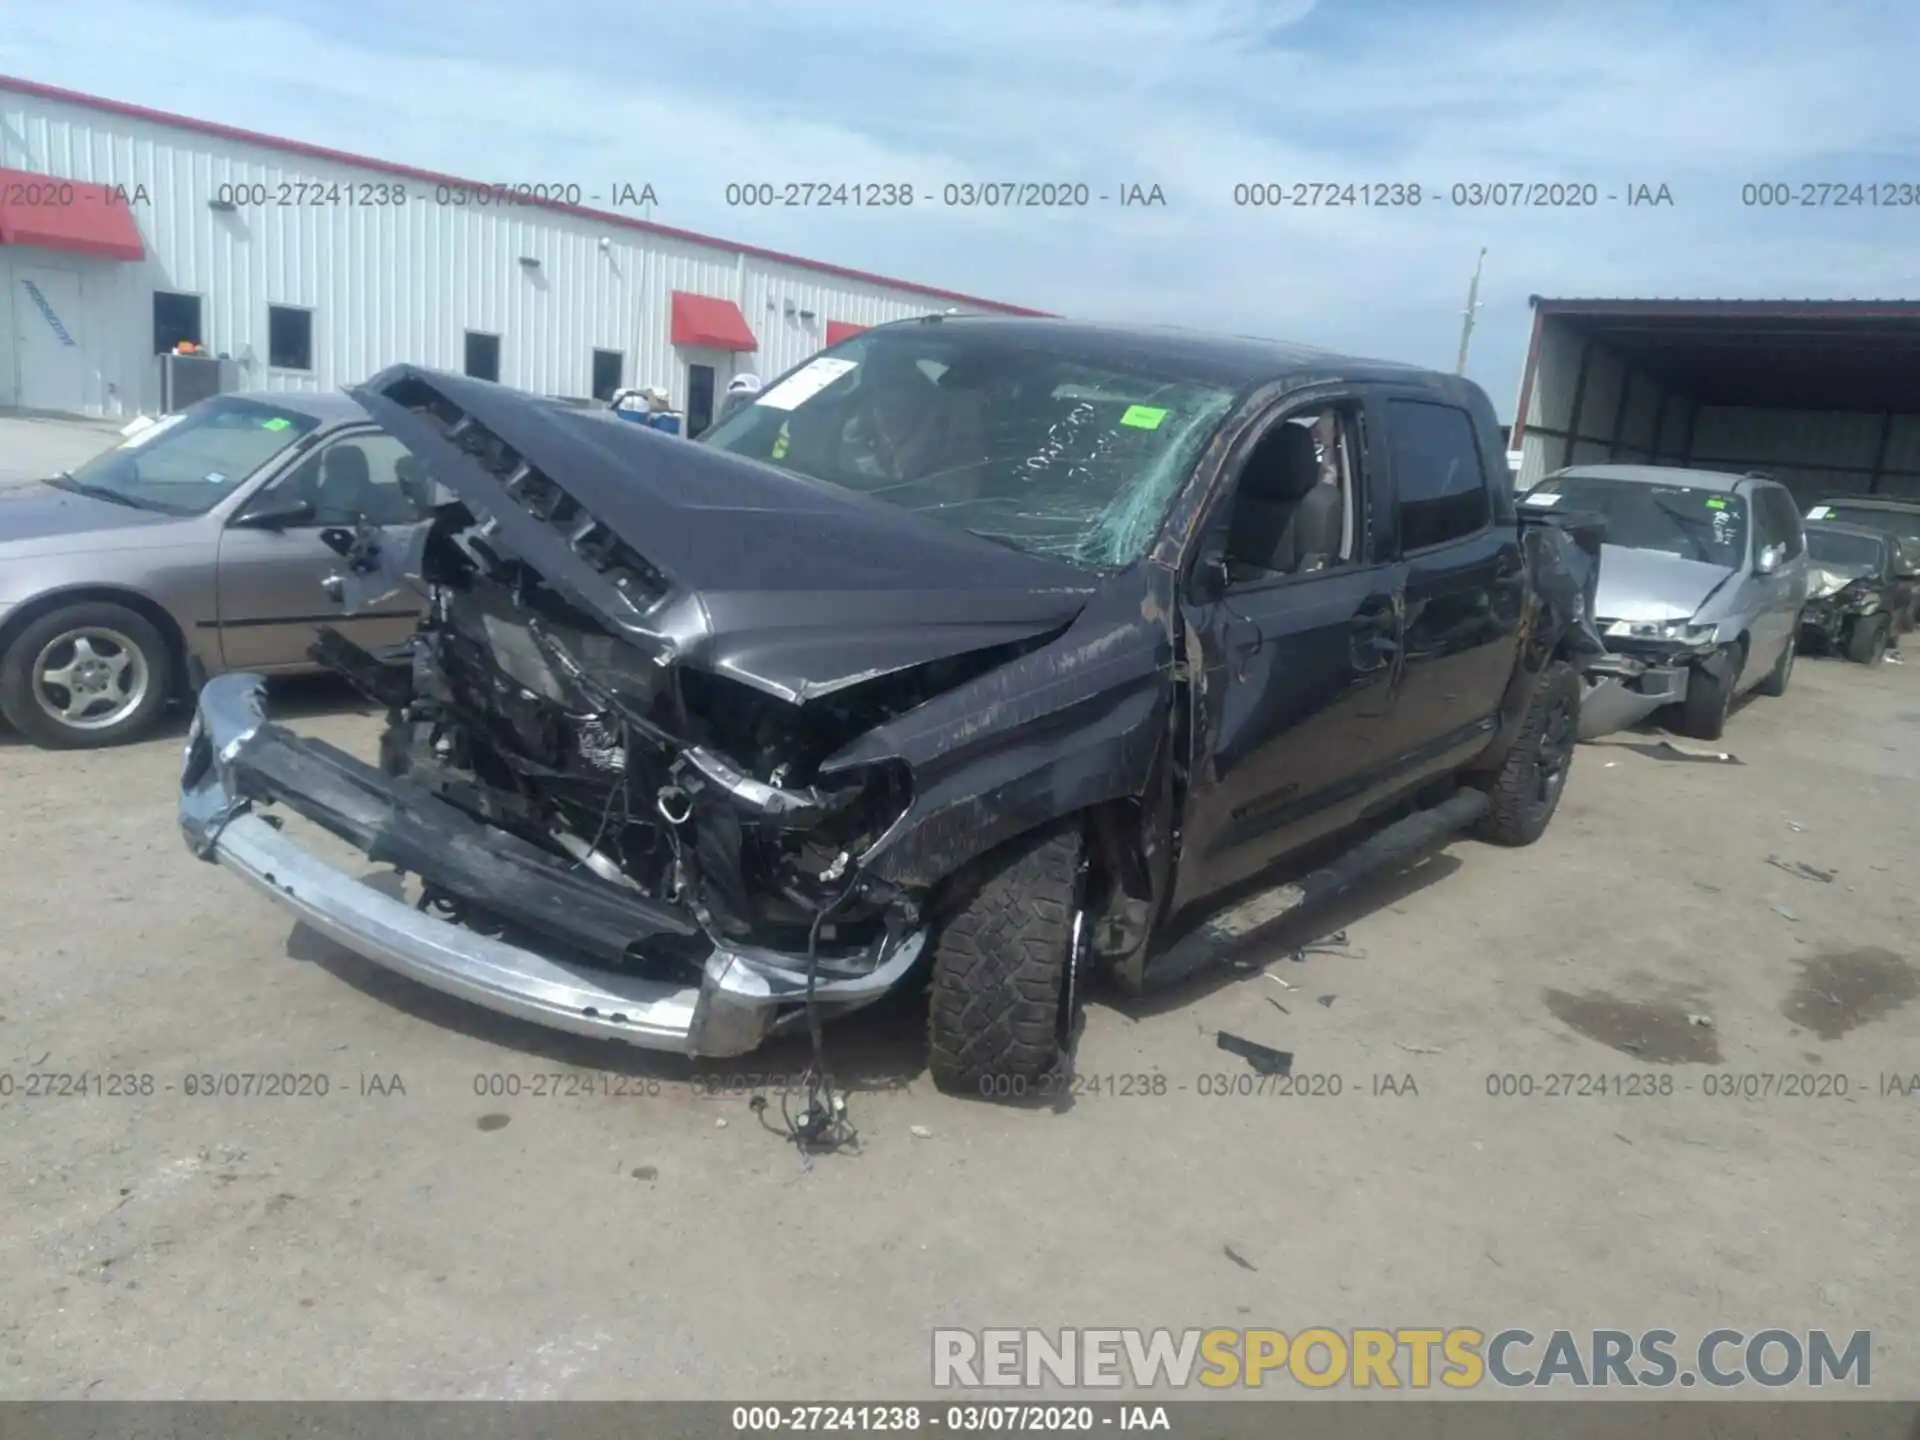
[968, 654]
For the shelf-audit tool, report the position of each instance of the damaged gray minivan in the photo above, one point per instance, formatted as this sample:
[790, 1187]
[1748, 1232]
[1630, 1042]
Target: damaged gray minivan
[1703, 579]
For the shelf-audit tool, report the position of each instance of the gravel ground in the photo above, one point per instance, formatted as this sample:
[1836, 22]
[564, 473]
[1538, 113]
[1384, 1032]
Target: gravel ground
[439, 1225]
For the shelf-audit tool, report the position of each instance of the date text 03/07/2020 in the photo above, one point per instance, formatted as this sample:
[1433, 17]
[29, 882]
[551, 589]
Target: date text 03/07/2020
[954, 195]
[1461, 194]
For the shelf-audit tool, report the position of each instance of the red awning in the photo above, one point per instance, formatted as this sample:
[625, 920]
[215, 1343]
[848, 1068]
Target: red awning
[58, 214]
[709, 321]
[838, 330]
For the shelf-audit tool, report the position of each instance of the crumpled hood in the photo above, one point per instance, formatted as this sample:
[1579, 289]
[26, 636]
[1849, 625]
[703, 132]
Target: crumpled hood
[793, 586]
[42, 519]
[1650, 585]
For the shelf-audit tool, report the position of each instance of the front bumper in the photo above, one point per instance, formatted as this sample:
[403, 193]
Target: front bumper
[236, 762]
[1621, 690]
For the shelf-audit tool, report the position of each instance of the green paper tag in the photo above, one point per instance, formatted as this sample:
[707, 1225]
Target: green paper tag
[1143, 417]
[1716, 504]
[279, 422]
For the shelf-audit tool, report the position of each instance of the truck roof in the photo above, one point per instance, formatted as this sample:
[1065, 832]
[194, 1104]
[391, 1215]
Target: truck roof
[1236, 361]
[1657, 475]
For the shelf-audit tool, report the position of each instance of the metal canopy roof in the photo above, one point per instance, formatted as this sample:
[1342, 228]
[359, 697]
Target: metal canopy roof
[1798, 354]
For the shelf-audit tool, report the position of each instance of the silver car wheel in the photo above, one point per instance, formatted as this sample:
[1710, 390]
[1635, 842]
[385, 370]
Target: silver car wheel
[90, 678]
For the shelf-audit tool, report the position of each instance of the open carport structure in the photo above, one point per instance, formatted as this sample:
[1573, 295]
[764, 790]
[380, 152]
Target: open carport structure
[1824, 395]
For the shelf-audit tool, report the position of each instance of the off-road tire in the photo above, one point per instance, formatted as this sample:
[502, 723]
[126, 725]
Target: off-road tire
[1775, 685]
[1867, 644]
[23, 711]
[1703, 714]
[1532, 777]
[1000, 970]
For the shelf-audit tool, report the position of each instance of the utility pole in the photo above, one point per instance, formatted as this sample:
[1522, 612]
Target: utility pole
[1466, 321]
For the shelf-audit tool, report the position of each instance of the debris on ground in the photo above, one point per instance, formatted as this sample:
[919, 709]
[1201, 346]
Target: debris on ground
[1278, 1006]
[920, 1132]
[1239, 1259]
[1326, 1001]
[1420, 1049]
[1805, 872]
[1334, 944]
[1284, 985]
[1263, 1058]
[1705, 1020]
[721, 1123]
[1784, 913]
[1688, 752]
[1796, 827]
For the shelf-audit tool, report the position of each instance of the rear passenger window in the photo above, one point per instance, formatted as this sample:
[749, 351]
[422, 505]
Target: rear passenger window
[1437, 472]
[1787, 527]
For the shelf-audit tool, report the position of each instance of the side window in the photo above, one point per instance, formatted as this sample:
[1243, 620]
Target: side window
[1790, 531]
[1766, 520]
[370, 475]
[1294, 508]
[1441, 484]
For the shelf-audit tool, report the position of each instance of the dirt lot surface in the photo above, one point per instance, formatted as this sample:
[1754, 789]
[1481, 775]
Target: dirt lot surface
[412, 1235]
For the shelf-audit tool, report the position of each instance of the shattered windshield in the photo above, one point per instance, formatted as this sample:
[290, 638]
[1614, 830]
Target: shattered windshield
[1691, 521]
[187, 463]
[1057, 454]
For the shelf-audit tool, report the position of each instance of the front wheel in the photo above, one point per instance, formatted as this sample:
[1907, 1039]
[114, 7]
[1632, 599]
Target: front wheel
[1703, 714]
[1867, 641]
[1526, 789]
[1007, 966]
[86, 676]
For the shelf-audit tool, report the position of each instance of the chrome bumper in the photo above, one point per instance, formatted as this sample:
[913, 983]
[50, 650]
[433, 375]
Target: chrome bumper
[1621, 692]
[741, 998]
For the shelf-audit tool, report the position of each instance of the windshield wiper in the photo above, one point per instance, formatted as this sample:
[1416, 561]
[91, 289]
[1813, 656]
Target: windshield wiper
[65, 481]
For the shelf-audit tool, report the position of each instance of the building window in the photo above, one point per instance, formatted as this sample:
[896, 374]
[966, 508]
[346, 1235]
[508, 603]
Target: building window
[1442, 487]
[289, 337]
[699, 398]
[609, 368]
[175, 318]
[483, 356]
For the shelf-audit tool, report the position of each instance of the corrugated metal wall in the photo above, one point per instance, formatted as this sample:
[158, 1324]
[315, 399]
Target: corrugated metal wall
[388, 283]
[1586, 406]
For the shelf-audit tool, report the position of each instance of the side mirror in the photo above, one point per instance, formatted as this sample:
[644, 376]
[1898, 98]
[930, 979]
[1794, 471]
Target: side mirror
[275, 515]
[1767, 561]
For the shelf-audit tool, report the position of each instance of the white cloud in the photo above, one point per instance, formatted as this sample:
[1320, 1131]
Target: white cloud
[1195, 96]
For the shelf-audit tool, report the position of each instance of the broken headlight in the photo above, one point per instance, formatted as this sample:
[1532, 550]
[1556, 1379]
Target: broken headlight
[1685, 632]
[1857, 597]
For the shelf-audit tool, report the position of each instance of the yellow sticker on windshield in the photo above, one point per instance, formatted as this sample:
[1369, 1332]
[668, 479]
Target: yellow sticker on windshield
[1144, 417]
[278, 422]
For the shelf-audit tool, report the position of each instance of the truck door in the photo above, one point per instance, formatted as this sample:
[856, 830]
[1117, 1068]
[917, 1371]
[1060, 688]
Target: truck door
[1465, 580]
[1297, 628]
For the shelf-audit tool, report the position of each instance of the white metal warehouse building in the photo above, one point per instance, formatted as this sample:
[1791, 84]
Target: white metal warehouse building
[125, 230]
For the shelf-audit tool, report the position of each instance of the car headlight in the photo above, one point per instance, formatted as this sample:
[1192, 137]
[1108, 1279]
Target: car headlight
[1685, 631]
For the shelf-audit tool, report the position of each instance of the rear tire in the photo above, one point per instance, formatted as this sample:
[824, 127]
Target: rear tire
[1703, 714]
[86, 676]
[1776, 682]
[1526, 789]
[1867, 644]
[1006, 978]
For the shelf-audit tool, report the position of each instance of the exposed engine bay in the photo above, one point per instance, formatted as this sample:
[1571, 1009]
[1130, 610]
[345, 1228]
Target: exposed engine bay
[694, 789]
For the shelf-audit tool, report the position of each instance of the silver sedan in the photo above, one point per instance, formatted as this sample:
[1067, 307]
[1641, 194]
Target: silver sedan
[192, 547]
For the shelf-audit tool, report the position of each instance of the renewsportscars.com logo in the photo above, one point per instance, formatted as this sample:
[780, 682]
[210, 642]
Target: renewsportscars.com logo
[1459, 1358]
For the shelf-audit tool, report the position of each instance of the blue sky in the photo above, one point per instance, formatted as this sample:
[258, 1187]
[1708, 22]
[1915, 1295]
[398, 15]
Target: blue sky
[1194, 95]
